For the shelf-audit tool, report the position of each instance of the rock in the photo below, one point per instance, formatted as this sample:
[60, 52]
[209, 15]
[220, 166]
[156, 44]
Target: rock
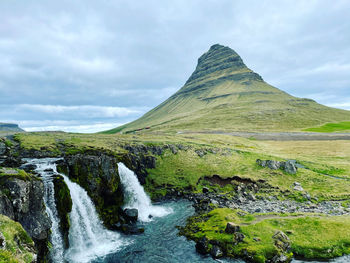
[280, 259]
[202, 246]
[297, 187]
[205, 190]
[28, 167]
[2, 148]
[132, 229]
[200, 153]
[22, 201]
[256, 239]
[281, 241]
[289, 167]
[216, 252]
[239, 237]
[98, 174]
[274, 165]
[131, 214]
[173, 149]
[232, 228]
[2, 241]
[49, 170]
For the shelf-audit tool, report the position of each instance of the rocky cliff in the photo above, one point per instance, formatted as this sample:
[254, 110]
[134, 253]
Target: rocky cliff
[10, 127]
[21, 199]
[97, 173]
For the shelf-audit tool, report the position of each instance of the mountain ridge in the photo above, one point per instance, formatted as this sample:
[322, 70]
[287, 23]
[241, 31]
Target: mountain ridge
[223, 93]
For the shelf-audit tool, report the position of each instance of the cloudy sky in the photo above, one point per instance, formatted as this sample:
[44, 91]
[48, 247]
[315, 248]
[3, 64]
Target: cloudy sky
[89, 65]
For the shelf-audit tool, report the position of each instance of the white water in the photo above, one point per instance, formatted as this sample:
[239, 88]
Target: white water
[88, 239]
[135, 196]
[57, 251]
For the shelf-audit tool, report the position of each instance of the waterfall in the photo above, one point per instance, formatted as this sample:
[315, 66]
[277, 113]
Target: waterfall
[45, 167]
[88, 239]
[135, 196]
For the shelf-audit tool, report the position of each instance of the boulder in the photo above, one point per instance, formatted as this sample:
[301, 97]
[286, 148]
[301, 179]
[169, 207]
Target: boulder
[289, 167]
[281, 241]
[239, 237]
[216, 252]
[202, 246]
[131, 214]
[232, 228]
[132, 229]
[297, 187]
[205, 190]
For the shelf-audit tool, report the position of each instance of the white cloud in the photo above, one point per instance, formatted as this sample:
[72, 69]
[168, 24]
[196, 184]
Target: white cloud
[87, 128]
[85, 110]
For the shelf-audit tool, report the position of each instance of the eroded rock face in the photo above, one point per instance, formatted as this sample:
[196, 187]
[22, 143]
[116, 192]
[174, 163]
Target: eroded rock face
[98, 175]
[22, 201]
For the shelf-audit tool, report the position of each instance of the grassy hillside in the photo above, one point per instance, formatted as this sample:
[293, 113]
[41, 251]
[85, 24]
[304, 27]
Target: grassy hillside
[224, 94]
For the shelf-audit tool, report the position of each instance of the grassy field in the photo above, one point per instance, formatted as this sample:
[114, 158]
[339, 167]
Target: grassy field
[225, 155]
[311, 235]
[332, 127]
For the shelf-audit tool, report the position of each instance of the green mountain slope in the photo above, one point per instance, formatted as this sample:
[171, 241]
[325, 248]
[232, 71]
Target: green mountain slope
[224, 94]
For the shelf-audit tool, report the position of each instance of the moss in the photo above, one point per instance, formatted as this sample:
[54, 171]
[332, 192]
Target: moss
[64, 206]
[312, 236]
[19, 246]
[15, 173]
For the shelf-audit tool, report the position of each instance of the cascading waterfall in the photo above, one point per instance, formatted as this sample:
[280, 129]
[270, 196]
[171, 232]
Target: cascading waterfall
[135, 196]
[45, 167]
[88, 238]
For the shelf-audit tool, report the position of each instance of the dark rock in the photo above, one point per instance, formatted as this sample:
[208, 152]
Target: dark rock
[173, 149]
[216, 252]
[22, 201]
[131, 214]
[232, 228]
[200, 152]
[2, 241]
[64, 204]
[132, 229]
[239, 237]
[2, 148]
[98, 175]
[202, 246]
[28, 167]
[205, 190]
[49, 170]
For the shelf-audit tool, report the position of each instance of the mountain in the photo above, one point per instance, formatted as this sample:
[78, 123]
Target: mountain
[224, 94]
[10, 127]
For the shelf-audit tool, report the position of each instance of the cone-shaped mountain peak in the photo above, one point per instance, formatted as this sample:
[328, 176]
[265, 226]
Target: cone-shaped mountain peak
[224, 94]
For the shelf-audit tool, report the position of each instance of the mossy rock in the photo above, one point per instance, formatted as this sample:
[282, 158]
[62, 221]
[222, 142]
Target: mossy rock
[64, 206]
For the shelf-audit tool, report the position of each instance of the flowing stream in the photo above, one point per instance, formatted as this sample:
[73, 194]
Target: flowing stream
[91, 242]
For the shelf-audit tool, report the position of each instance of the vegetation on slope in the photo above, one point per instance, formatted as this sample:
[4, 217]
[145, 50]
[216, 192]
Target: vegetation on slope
[332, 127]
[16, 245]
[224, 94]
[312, 236]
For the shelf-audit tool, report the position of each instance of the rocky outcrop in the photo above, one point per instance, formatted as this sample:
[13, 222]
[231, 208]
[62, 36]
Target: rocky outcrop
[63, 205]
[22, 201]
[98, 174]
[288, 166]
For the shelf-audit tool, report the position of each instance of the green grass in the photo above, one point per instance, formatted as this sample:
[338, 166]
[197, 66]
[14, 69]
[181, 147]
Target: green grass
[332, 127]
[312, 236]
[19, 246]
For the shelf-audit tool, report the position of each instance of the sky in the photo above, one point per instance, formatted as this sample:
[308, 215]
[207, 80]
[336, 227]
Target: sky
[87, 66]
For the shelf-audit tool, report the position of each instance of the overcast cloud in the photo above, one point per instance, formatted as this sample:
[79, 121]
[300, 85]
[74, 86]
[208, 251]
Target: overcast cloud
[88, 65]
